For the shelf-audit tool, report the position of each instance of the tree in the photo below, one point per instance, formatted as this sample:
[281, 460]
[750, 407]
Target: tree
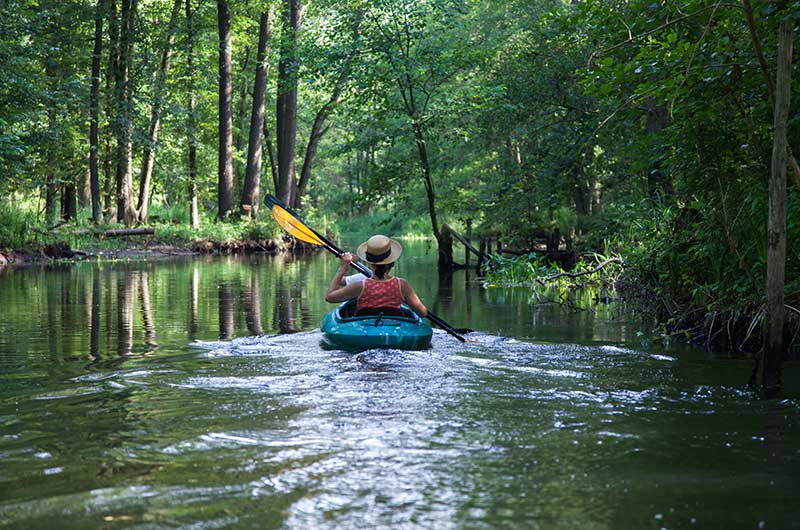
[252, 178]
[191, 120]
[149, 155]
[286, 101]
[776, 232]
[421, 51]
[123, 89]
[94, 104]
[225, 157]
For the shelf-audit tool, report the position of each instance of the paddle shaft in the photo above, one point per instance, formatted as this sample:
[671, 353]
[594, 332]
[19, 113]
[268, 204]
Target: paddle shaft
[336, 251]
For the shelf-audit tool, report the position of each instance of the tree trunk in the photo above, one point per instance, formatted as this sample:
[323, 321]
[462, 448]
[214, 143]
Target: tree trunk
[595, 194]
[225, 160]
[69, 200]
[252, 177]
[110, 123]
[657, 180]
[273, 160]
[51, 212]
[446, 263]
[422, 150]
[122, 91]
[84, 189]
[286, 102]
[581, 192]
[776, 230]
[191, 120]
[149, 155]
[241, 125]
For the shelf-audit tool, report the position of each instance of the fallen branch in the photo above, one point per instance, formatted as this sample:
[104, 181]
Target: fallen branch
[582, 273]
[129, 232]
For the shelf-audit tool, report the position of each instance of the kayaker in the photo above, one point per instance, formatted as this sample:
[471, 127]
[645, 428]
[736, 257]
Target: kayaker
[381, 293]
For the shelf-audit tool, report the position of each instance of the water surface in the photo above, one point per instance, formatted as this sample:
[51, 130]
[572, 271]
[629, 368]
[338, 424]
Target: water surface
[194, 394]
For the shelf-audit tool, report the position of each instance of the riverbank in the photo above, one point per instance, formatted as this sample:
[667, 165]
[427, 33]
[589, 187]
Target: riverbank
[54, 252]
[723, 325]
[82, 246]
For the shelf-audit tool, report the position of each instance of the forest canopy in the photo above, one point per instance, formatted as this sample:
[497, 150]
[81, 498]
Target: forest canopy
[637, 128]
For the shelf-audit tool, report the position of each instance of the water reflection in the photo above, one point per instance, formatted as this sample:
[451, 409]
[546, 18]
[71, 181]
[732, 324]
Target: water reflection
[227, 310]
[134, 308]
[252, 303]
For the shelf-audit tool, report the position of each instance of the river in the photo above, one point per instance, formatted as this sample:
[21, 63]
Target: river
[194, 393]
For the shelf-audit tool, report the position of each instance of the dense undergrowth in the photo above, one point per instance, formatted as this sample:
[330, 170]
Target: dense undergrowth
[701, 277]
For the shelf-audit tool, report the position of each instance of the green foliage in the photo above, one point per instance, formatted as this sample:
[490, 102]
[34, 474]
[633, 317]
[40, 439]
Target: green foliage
[400, 224]
[16, 225]
[218, 232]
[535, 270]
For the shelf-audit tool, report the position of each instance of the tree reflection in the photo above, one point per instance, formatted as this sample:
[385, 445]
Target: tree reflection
[284, 312]
[94, 323]
[227, 310]
[194, 301]
[252, 302]
[125, 305]
[444, 294]
[147, 312]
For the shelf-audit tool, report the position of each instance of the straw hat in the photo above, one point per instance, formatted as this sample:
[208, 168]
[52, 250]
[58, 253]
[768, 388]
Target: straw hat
[379, 250]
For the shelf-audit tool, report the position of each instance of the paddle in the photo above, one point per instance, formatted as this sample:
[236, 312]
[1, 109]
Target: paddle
[291, 222]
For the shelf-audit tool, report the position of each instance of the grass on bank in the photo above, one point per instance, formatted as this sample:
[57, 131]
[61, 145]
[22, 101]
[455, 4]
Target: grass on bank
[23, 229]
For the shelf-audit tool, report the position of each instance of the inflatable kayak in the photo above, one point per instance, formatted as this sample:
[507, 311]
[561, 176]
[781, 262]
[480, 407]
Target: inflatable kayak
[404, 330]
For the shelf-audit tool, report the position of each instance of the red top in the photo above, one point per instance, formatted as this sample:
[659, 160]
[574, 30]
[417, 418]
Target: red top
[380, 294]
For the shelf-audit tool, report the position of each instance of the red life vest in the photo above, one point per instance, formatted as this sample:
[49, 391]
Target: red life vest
[380, 294]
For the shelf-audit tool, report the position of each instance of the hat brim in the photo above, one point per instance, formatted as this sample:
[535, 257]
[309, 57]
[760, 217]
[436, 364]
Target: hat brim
[395, 250]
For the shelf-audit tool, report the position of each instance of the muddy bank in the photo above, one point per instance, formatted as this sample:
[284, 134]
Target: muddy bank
[48, 253]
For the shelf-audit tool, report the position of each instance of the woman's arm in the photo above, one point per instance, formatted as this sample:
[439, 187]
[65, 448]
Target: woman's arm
[410, 297]
[337, 293]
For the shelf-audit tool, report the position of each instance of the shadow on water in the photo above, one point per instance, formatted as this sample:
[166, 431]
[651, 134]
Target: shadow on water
[196, 394]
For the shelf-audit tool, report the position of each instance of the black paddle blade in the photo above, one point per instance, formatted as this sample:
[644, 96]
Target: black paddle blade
[271, 200]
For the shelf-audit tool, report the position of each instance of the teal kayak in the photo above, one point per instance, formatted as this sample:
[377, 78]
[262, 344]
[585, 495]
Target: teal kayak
[343, 330]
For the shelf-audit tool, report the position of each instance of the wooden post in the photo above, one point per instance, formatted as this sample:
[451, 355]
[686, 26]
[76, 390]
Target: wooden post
[481, 255]
[469, 239]
[776, 229]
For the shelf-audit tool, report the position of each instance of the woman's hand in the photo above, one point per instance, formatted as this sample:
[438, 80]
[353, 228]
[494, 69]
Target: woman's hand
[345, 261]
[337, 290]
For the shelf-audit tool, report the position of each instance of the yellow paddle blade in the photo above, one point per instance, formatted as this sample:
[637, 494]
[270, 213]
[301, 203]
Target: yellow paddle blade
[294, 226]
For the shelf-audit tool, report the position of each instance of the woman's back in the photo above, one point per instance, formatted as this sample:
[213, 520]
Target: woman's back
[382, 294]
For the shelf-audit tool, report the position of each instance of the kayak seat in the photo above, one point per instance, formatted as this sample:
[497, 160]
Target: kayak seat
[386, 311]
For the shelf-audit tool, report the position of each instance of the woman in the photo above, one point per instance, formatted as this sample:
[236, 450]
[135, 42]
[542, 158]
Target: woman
[381, 293]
